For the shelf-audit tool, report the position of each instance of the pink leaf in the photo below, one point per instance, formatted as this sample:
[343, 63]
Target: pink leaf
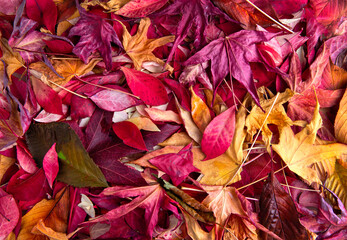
[130, 134]
[150, 89]
[43, 11]
[177, 166]
[25, 160]
[218, 134]
[113, 101]
[51, 165]
[140, 8]
[9, 213]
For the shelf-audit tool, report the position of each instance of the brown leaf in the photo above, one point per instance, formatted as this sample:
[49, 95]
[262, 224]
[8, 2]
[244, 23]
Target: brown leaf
[54, 214]
[337, 183]
[139, 47]
[278, 212]
[341, 121]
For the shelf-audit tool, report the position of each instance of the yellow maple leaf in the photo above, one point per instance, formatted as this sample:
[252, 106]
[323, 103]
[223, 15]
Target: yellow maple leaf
[139, 47]
[341, 121]
[299, 151]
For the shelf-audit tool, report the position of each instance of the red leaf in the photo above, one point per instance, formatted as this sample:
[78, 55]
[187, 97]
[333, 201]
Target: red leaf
[51, 165]
[219, 134]
[130, 134]
[278, 212]
[9, 214]
[43, 11]
[177, 166]
[150, 89]
[47, 97]
[140, 8]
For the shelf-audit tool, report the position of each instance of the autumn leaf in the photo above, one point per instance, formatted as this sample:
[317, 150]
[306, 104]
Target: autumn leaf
[9, 212]
[194, 229]
[130, 134]
[140, 48]
[200, 112]
[299, 150]
[232, 54]
[336, 182]
[278, 213]
[96, 34]
[12, 59]
[53, 214]
[140, 8]
[5, 163]
[341, 121]
[76, 168]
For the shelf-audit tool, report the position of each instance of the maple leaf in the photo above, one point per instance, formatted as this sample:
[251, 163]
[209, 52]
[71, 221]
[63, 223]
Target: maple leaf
[299, 150]
[195, 14]
[140, 48]
[96, 34]
[232, 54]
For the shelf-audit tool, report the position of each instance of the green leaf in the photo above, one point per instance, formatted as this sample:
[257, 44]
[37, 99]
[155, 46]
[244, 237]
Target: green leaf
[75, 166]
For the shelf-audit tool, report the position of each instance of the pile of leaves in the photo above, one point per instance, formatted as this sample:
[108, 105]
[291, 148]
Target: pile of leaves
[173, 119]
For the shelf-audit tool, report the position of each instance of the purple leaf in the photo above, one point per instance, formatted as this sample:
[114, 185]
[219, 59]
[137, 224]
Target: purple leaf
[219, 134]
[96, 34]
[51, 165]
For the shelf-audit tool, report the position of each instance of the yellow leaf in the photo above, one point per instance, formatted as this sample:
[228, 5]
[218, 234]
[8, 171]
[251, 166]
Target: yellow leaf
[54, 213]
[66, 24]
[178, 139]
[277, 115]
[200, 111]
[338, 184]
[11, 236]
[194, 230]
[341, 121]
[217, 102]
[111, 6]
[143, 123]
[299, 152]
[161, 115]
[66, 68]
[139, 47]
[5, 163]
[41, 228]
[12, 59]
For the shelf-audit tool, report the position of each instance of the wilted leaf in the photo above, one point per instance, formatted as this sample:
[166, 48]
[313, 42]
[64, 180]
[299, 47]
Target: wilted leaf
[12, 59]
[139, 47]
[41, 228]
[5, 163]
[341, 121]
[53, 213]
[76, 168]
[194, 229]
[219, 134]
[150, 89]
[278, 212]
[298, 151]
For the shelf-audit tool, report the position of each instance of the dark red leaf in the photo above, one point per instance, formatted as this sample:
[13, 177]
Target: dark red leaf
[43, 11]
[130, 134]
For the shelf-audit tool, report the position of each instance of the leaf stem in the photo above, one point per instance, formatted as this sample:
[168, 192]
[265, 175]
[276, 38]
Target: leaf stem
[269, 17]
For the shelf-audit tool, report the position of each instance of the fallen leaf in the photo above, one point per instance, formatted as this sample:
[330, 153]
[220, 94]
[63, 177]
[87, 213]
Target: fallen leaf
[218, 135]
[336, 183]
[150, 89]
[200, 112]
[43, 11]
[161, 115]
[53, 213]
[96, 34]
[5, 163]
[9, 212]
[194, 229]
[278, 212]
[341, 121]
[76, 167]
[41, 228]
[50, 165]
[298, 151]
[144, 123]
[140, 8]
[130, 134]
[140, 48]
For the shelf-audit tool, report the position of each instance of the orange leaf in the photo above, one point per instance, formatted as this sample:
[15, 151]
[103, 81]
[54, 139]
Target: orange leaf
[341, 121]
[200, 112]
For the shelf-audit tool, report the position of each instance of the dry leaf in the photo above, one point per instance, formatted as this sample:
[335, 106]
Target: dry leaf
[5, 163]
[54, 214]
[41, 228]
[144, 123]
[200, 111]
[194, 229]
[341, 121]
[178, 139]
[139, 47]
[299, 152]
[338, 184]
